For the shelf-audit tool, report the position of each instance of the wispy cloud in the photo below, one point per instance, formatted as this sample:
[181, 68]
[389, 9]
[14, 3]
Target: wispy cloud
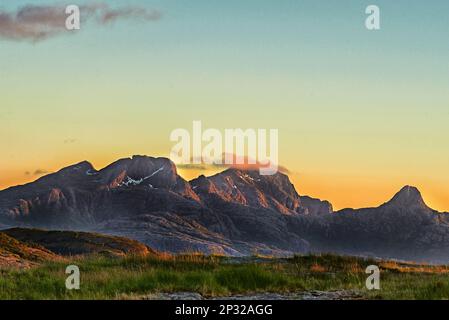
[37, 172]
[130, 13]
[210, 165]
[37, 23]
[69, 141]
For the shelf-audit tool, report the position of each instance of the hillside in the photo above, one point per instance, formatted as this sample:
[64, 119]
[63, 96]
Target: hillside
[16, 254]
[69, 243]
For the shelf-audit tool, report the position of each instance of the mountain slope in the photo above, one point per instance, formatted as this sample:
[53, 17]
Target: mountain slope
[235, 212]
[86, 196]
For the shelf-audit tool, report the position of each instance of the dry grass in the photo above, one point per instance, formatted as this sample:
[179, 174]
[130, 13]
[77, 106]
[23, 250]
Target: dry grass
[317, 268]
[139, 277]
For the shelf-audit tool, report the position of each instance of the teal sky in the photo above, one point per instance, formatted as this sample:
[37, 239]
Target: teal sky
[356, 109]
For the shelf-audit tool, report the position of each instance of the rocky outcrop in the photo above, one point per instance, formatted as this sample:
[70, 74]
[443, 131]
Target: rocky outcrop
[249, 188]
[316, 206]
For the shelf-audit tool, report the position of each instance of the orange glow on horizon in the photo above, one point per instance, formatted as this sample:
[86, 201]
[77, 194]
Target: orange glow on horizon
[348, 192]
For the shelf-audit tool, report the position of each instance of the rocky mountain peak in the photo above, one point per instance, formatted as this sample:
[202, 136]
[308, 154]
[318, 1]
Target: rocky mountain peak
[158, 172]
[249, 188]
[408, 196]
[82, 166]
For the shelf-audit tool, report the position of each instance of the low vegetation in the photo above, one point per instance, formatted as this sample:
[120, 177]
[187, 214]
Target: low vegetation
[106, 277]
[14, 253]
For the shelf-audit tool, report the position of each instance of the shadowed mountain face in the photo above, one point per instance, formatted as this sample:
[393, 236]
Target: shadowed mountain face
[403, 228]
[234, 212]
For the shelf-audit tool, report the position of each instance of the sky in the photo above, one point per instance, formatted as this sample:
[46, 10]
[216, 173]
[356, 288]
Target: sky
[360, 113]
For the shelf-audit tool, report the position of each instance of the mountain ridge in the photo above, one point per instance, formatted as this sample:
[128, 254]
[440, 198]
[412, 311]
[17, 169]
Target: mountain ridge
[234, 212]
[86, 166]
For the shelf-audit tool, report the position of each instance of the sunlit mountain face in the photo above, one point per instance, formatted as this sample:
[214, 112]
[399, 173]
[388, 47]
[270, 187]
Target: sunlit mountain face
[235, 212]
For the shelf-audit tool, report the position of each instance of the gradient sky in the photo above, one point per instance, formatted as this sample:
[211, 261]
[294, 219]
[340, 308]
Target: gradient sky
[359, 113]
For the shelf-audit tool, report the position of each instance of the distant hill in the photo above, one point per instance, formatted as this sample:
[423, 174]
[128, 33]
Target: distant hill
[14, 253]
[70, 243]
[235, 212]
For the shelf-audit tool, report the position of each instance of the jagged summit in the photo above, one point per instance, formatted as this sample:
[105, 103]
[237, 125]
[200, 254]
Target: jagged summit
[408, 196]
[138, 168]
[145, 171]
[250, 188]
[141, 165]
[135, 167]
[83, 165]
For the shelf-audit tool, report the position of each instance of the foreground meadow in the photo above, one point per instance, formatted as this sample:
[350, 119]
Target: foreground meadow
[136, 277]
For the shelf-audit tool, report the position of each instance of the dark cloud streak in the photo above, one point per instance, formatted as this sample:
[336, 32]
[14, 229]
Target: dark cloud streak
[210, 165]
[37, 23]
[37, 172]
[130, 13]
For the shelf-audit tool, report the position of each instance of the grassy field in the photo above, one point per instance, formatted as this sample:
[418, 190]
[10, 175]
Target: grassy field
[134, 277]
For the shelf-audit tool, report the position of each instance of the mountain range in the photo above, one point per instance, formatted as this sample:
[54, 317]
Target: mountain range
[235, 212]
